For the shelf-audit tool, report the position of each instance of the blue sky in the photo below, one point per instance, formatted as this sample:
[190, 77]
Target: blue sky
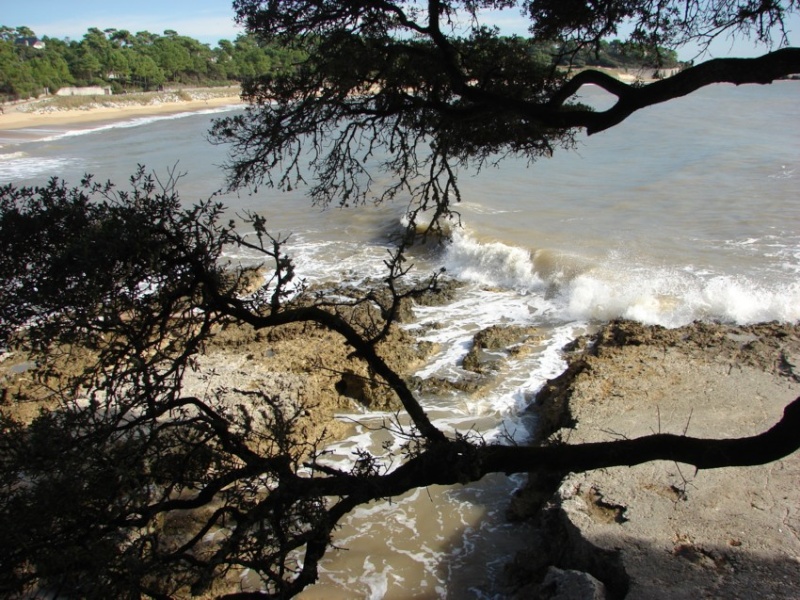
[206, 20]
[212, 20]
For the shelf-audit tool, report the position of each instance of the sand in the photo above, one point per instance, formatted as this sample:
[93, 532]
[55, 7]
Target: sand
[30, 121]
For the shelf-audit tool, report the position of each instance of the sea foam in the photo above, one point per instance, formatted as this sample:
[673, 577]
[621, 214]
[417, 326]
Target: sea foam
[20, 166]
[491, 263]
[126, 123]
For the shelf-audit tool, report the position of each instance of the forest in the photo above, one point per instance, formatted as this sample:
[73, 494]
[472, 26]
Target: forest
[125, 61]
[143, 61]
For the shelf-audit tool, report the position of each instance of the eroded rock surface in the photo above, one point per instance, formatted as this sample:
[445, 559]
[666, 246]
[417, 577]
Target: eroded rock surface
[725, 533]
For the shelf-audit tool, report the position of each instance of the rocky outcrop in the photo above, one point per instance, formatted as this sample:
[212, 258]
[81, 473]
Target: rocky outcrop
[679, 533]
[492, 343]
[303, 367]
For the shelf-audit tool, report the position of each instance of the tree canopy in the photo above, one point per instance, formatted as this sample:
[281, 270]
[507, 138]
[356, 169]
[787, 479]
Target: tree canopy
[126, 61]
[114, 291]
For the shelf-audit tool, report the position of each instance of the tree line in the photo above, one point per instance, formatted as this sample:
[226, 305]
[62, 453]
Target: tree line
[143, 61]
[616, 54]
[126, 61]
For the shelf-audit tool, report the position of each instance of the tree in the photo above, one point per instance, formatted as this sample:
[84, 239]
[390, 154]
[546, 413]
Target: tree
[128, 285]
[121, 38]
[86, 65]
[402, 78]
[24, 31]
[17, 81]
[119, 57]
[145, 71]
[51, 70]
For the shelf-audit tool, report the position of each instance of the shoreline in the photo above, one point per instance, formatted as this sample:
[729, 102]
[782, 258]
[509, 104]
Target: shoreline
[34, 120]
[24, 123]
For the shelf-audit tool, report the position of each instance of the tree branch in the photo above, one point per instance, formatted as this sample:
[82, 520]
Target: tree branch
[777, 442]
[459, 462]
[762, 70]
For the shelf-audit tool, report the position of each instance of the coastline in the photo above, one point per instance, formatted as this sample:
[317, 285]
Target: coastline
[32, 121]
[663, 529]
[656, 531]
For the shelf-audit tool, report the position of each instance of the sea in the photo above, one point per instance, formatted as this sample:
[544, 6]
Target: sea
[686, 211]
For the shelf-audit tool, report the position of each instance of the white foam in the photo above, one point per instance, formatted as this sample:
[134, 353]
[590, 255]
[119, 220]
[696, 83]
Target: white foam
[22, 166]
[674, 298]
[346, 262]
[490, 264]
[135, 122]
[453, 326]
[377, 582]
[742, 301]
[785, 173]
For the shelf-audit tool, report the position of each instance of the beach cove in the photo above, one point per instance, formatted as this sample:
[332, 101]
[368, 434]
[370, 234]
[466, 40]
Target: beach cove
[686, 216]
[39, 119]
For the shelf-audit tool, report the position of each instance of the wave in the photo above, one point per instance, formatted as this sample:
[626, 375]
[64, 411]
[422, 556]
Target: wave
[672, 298]
[12, 156]
[350, 264]
[620, 286]
[491, 264]
[21, 166]
[136, 122]
[512, 284]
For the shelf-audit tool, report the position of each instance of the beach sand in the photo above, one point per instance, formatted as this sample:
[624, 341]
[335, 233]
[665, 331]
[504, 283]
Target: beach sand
[25, 122]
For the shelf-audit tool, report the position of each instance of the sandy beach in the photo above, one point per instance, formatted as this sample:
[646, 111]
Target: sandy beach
[34, 120]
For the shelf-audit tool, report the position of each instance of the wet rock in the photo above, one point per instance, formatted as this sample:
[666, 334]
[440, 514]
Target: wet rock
[495, 338]
[366, 391]
[440, 386]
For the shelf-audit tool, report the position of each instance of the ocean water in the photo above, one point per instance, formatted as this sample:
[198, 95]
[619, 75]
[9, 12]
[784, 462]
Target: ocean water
[687, 211]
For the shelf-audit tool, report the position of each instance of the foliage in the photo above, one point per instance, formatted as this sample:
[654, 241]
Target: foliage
[615, 54]
[113, 489]
[125, 486]
[130, 62]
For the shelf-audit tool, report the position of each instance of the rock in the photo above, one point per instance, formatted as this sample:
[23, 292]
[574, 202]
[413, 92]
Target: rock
[367, 392]
[558, 542]
[561, 584]
[305, 368]
[503, 338]
[680, 533]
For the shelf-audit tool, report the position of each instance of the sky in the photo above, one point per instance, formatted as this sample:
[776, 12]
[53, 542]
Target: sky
[212, 20]
[206, 20]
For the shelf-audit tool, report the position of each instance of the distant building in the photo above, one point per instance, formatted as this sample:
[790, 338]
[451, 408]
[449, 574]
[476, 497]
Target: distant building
[31, 42]
[92, 90]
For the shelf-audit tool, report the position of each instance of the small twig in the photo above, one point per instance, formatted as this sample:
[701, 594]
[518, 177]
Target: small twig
[658, 418]
[612, 433]
[686, 428]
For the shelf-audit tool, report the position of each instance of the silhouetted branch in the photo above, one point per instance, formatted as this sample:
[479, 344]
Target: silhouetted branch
[762, 70]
